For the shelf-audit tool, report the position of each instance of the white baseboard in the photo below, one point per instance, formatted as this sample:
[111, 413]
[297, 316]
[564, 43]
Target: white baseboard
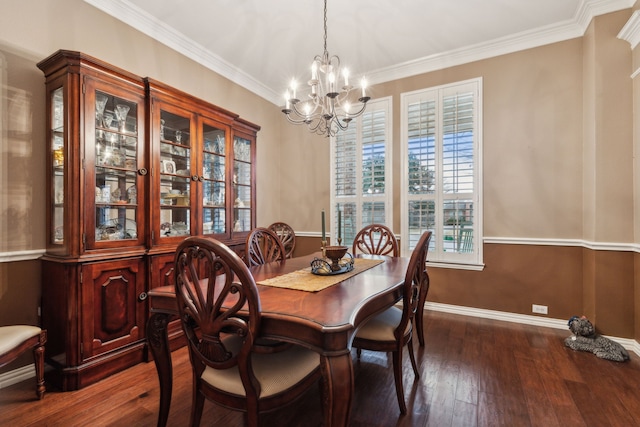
[26, 372]
[17, 375]
[526, 319]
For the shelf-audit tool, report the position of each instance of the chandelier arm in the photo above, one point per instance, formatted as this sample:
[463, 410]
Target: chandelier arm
[311, 113]
[359, 112]
[340, 125]
[295, 121]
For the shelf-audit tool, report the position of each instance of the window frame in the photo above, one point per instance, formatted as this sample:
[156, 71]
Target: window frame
[385, 104]
[438, 256]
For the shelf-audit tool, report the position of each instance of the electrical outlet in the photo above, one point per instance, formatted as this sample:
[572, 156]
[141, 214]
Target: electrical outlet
[540, 309]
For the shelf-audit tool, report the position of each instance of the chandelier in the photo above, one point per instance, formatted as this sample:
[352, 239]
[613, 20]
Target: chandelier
[330, 106]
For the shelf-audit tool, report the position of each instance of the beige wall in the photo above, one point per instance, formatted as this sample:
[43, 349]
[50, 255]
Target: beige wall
[558, 158]
[531, 133]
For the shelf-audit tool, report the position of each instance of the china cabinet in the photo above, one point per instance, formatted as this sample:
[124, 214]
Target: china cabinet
[203, 170]
[133, 167]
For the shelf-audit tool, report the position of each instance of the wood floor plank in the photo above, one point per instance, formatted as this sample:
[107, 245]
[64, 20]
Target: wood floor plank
[473, 373]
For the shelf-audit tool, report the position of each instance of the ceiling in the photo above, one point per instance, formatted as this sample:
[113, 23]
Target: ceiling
[263, 44]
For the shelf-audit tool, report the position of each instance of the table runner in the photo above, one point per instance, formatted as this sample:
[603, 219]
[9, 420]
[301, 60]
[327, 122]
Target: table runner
[305, 280]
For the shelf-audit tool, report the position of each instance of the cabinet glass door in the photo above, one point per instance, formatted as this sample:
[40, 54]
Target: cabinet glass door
[175, 175]
[116, 168]
[57, 181]
[213, 180]
[241, 184]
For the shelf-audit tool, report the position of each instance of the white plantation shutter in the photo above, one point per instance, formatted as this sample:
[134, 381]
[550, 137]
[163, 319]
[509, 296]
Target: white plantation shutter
[441, 166]
[361, 172]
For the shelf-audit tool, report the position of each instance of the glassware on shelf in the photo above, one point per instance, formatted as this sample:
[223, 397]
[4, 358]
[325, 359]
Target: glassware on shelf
[161, 128]
[58, 110]
[101, 103]
[178, 136]
[121, 115]
[58, 156]
[108, 119]
[132, 195]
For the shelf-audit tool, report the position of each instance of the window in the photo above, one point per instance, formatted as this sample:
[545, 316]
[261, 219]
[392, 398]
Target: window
[441, 170]
[361, 172]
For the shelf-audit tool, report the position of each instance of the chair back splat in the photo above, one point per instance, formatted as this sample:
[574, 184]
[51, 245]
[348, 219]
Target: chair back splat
[376, 239]
[417, 278]
[286, 235]
[263, 246]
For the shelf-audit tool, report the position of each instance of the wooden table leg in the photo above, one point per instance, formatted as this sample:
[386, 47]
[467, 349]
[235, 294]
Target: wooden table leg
[159, 345]
[337, 372]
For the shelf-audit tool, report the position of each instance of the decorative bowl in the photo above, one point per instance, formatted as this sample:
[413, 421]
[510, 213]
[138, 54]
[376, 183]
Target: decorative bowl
[335, 252]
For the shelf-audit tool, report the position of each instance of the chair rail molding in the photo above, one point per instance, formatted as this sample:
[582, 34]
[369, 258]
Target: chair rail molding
[21, 255]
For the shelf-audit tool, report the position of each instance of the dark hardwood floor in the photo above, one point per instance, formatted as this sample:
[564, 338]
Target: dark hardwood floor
[474, 372]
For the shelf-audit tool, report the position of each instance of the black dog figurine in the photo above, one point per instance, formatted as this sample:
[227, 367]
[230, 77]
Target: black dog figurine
[585, 338]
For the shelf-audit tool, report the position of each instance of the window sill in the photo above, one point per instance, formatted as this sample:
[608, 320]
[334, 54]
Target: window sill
[457, 266]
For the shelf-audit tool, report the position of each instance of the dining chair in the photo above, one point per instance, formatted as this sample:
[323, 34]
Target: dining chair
[391, 330]
[263, 246]
[17, 339]
[286, 235]
[376, 239]
[221, 323]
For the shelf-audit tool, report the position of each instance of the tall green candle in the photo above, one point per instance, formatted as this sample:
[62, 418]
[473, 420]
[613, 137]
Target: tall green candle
[324, 238]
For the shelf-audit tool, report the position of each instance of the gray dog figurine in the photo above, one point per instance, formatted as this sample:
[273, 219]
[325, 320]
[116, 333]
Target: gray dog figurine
[585, 338]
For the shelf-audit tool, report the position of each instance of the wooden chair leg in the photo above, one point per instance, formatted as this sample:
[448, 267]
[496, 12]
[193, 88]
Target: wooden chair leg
[196, 409]
[419, 317]
[413, 359]
[397, 375]
[38, 359]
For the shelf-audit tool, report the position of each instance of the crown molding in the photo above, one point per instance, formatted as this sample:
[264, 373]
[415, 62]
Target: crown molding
[137, 18]
[541, 36]
[631, 30]
[130, 14]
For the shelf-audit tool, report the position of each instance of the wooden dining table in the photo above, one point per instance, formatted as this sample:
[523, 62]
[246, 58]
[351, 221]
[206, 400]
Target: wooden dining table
[324, 321]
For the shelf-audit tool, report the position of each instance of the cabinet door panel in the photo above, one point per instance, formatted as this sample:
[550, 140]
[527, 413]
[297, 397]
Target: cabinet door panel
[113, 313]
[162, 268]
[116, 182]
[162, 274]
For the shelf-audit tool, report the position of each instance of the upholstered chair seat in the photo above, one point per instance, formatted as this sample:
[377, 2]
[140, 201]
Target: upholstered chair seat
[276, 372]
[15, 340]
[382, 327]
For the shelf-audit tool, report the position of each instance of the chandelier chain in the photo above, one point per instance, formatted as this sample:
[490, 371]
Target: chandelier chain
[325, 27]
